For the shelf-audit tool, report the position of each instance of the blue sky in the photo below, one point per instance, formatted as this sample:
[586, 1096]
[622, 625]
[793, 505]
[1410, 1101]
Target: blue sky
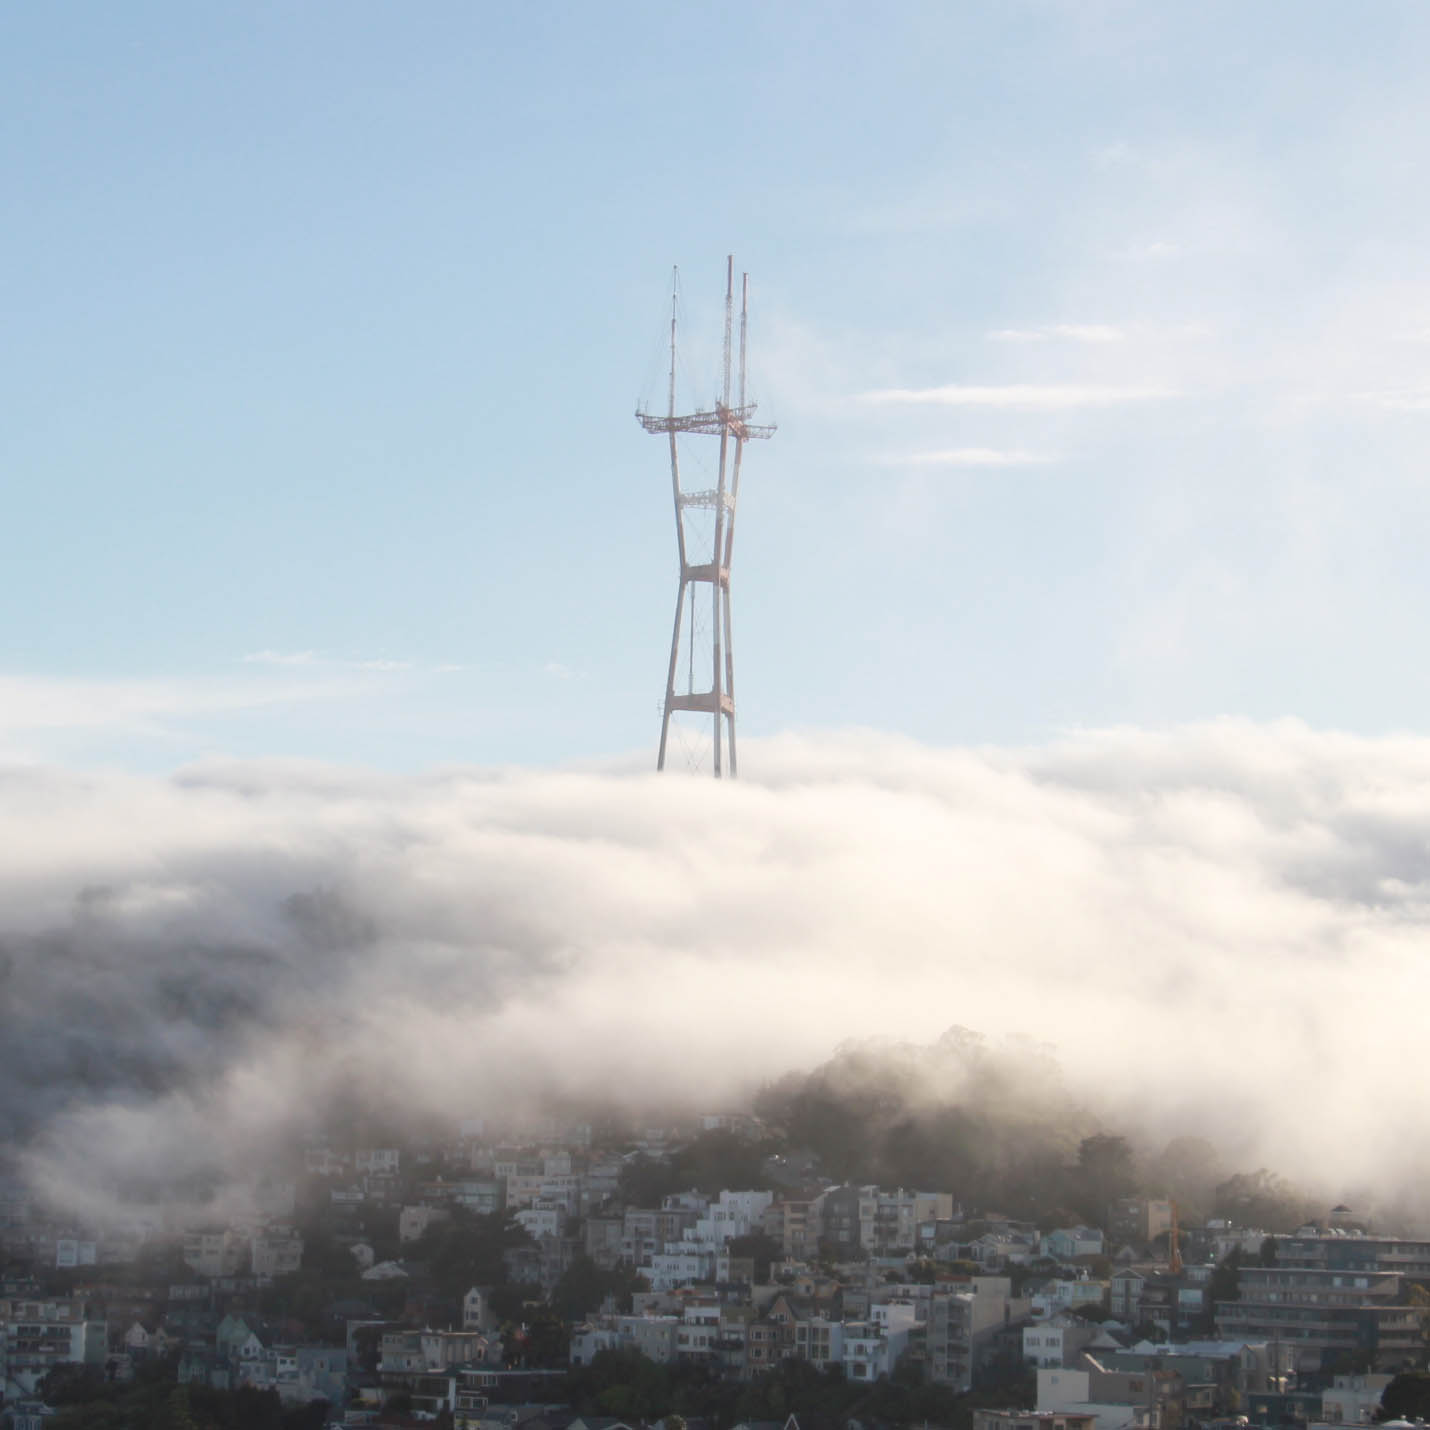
[1098, 336]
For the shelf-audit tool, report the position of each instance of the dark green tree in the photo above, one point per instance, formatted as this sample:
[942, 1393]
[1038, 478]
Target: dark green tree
[646, 1181]
[467, 1250]
[548, 1340]
[508, 1303]
[1224, 1284]
[718, 1160]
[761, 1249]
[581, 1289]
[1261, 1198]
[1104, 1173]
[1407, 1397]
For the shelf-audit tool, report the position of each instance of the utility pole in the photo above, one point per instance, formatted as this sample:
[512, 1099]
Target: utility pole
[702, 566]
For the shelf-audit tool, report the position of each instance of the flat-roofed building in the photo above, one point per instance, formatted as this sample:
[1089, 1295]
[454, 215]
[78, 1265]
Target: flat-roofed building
[1032, 1420]
[1322, 1313]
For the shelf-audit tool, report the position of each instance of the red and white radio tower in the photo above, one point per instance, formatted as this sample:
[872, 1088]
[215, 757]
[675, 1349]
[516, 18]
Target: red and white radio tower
[698, 567]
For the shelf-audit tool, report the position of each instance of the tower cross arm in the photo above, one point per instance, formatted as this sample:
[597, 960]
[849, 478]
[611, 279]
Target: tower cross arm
[734, 420]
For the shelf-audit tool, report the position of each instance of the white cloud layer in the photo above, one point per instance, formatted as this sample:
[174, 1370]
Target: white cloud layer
[1220, 929]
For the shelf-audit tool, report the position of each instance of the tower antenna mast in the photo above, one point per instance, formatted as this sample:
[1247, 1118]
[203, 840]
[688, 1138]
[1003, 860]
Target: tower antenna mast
[732, 425]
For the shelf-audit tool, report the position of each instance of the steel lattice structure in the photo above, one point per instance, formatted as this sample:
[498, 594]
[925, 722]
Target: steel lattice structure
[731, 424]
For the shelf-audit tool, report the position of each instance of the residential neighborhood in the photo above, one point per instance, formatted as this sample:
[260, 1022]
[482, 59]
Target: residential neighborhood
[533, 1282]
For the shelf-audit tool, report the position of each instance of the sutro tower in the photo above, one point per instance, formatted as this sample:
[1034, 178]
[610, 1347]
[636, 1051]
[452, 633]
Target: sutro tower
[701, 567]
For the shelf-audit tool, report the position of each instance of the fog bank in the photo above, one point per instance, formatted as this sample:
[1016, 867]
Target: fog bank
[1219, 930]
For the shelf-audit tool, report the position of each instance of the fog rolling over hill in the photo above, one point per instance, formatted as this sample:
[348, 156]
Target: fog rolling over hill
[1217, 931]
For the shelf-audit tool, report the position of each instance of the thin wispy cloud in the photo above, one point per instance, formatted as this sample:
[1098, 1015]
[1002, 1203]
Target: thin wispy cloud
[1017, 395]
[281, 657]
[311, 659]
[1154, 251]
[31, 704]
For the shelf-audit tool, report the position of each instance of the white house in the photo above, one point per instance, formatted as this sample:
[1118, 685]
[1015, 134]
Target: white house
[1353, 1399]
[542, 1219]
[71, 1252]
[669, 1269]
[476, 1312]
[213, 1252]
[734, 1214]
[872, 1349]
[1056, 1342]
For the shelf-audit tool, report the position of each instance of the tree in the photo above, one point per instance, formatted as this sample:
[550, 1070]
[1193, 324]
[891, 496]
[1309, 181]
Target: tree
[177, 1412]
[624, 1383]
[548, 1340]
[466, 1250]
[1224, 1284]
[312, 1416]
[645, 1181]
[154, 1404]
[718, 1160]
[930, 1148]
[1188, 1168]
[507, 1303]
[583, 1286]
[326, 1258]
[1260, 1198]
[71, 1383]
[1104, 1173]
[1407, 1397]
[762, 1249]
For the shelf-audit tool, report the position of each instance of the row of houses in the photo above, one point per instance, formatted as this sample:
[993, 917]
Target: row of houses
[741, 1332]
[263, 1251]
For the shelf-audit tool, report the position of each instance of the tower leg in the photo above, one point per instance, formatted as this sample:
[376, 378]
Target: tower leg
[715, 668]
[730, 681]
[670, 674]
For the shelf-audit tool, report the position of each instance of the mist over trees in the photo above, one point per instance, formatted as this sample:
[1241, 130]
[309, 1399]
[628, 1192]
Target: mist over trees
[995, 1124]
[955, 1113]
